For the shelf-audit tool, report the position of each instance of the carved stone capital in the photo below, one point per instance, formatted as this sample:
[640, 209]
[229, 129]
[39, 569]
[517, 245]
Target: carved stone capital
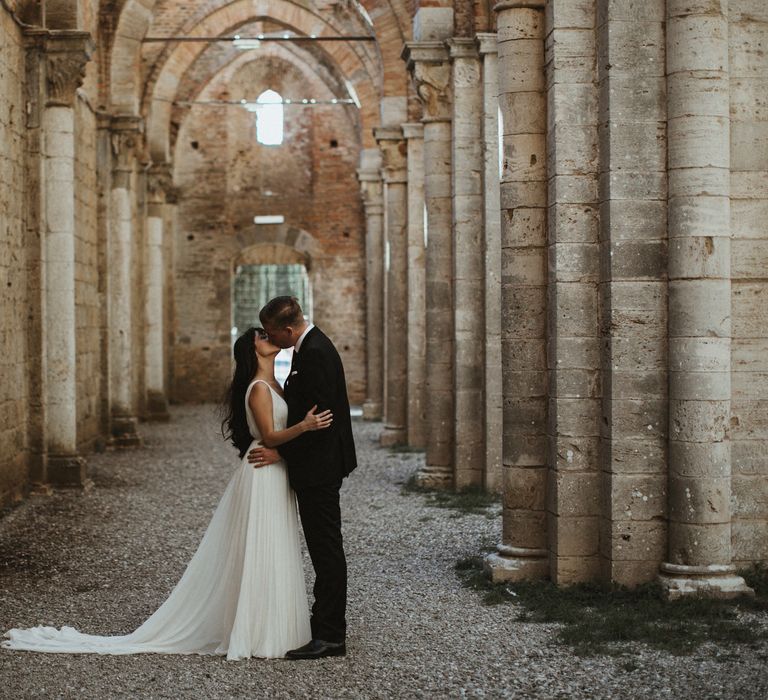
[413, 130]
[159, 181]
[66, 55]
[126, 136]
[372, 197]
[462, 47]
[430, 67]
[487, 42]
[524, 5]
[394, 153]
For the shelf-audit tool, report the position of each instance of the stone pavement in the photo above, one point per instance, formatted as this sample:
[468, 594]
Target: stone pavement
[103, 561]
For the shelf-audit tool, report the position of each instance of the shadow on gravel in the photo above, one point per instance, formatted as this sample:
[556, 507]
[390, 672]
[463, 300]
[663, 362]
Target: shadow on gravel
[607, 620]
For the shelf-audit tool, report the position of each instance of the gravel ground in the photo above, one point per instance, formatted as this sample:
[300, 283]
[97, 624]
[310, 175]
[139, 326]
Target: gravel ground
[104, 560]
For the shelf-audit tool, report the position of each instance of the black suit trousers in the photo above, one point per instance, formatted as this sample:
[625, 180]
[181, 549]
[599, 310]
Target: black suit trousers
[321, 521]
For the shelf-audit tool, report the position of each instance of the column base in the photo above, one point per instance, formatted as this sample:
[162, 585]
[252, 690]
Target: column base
[157, 407]
[125, 435]
[516, 564]
[391, 436]
[371, 410]
[432, 477]
[714, 581]
[68, 471]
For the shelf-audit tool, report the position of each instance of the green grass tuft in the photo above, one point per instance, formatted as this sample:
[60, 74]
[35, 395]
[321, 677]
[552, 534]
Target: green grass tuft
[473, 500]
[599, 619]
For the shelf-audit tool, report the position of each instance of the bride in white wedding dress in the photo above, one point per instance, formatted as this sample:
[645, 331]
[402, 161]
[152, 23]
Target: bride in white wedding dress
[242, 593]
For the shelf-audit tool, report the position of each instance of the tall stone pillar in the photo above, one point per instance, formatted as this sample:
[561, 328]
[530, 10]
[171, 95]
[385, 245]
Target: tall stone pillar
[699, 554]
[126, 134]
[159, 181]
[429, 65]
[468, 283]
[523, 552]
[369, 176]
[394, 172]
[493, 423]
[416, 420]
[66, 55]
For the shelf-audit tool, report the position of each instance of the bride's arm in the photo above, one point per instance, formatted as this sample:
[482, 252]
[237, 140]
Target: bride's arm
[260, 402]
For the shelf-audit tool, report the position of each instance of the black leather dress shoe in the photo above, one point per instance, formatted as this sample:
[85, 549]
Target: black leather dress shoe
[317, 649]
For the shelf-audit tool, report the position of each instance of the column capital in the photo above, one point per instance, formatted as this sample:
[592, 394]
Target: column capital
[429, 63]
[462, 47]
[413, 130]
[487, 42]
[66, 54]
[126, 133]
[369, 175]
[159, 181]
[512, 5]
[394, 152]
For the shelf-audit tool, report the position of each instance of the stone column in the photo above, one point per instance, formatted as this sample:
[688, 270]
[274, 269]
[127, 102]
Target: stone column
[429, 65]
[66, 55]
[416, 420]
[493, 423]
[394, 174]
[468, 282]
[523, 553]
[159, 181]
[126, 133]
[699, 554]
[369, 175]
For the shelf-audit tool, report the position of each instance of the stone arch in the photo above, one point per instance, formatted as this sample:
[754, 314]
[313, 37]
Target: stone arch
[226, 20]
[270, 254]
[290, 54]
[125, 62]
[289, 243]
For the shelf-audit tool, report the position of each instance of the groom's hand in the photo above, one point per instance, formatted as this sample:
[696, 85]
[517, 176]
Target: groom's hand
[262, 456]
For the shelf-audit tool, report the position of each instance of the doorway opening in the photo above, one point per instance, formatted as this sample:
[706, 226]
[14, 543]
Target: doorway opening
[254, 285]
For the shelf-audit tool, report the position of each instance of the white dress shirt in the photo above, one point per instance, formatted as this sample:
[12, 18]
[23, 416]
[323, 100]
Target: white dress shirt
[309, 327]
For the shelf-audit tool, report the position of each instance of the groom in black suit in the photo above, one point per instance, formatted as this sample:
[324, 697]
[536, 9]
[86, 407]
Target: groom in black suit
[317, 462]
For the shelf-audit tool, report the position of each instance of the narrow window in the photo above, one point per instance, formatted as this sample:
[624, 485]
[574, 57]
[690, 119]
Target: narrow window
[269, 118]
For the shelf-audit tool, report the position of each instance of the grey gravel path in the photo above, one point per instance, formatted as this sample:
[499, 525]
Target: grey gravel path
[103, 561]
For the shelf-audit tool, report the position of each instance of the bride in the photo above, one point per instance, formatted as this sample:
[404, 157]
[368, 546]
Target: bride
[242, 593]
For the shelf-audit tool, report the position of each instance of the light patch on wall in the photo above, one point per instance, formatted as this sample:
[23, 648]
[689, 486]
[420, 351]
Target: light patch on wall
[269, 219]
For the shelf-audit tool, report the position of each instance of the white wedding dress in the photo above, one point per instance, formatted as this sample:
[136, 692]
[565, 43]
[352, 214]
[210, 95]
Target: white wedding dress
[243, 591]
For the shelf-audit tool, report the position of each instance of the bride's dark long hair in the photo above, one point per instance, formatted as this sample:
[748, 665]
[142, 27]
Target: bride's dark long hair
[234, 427]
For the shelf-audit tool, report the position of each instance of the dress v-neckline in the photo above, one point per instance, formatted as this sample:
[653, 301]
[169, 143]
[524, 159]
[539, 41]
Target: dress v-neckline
[269, 386]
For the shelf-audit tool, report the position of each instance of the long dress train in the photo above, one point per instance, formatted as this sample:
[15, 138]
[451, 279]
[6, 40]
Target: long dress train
[242, 593]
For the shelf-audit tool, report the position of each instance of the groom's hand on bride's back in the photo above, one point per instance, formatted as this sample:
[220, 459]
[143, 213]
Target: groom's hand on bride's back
[263, 456]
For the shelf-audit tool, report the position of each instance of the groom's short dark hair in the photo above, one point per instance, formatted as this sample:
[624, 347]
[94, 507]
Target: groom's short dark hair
[281, 312]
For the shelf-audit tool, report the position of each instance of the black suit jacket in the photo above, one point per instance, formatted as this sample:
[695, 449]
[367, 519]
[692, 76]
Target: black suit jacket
[318, 457]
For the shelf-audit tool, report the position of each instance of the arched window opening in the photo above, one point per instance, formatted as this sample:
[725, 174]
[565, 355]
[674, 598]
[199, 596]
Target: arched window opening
[269, 118]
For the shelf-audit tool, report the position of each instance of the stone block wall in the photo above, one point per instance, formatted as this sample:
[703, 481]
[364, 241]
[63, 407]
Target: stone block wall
[88, 298]
[14, 309]
[748, 32]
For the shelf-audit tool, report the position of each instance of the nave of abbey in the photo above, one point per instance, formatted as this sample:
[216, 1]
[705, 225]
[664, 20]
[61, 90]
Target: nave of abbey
[536, 231]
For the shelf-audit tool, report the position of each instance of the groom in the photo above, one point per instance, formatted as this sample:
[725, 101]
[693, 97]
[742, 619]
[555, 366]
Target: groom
[317, 462]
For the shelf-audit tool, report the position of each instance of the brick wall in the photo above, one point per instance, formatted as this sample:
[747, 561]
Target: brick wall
[14, 393]
[749, 270]
[226, 178]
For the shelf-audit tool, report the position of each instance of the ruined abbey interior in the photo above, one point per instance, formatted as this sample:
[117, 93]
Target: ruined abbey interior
[536, 231]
